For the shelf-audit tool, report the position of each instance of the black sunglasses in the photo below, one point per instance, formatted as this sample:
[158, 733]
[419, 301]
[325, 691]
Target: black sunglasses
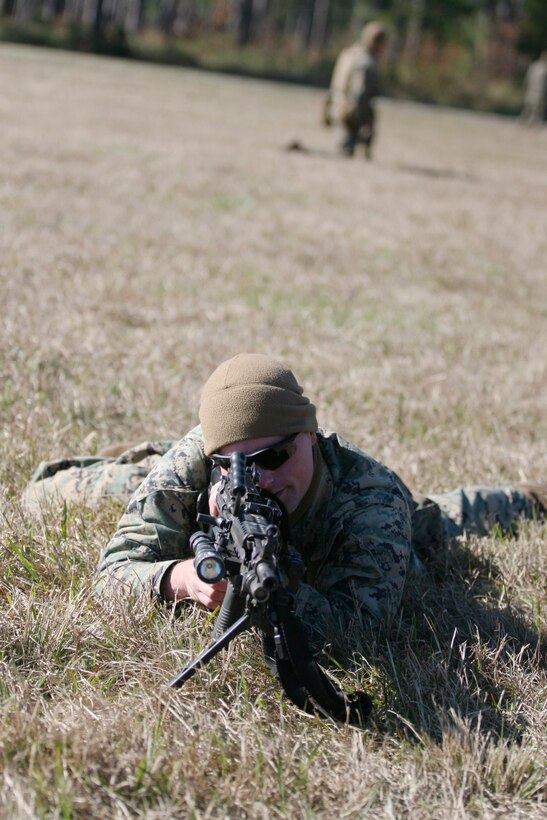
[272, 458]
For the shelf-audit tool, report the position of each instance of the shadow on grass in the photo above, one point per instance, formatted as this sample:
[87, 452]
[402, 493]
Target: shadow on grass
[435, 173]
[298, 147]
[458, 653]
[460, 657]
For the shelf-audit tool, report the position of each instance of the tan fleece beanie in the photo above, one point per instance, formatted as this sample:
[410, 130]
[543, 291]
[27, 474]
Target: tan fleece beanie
[252, 396]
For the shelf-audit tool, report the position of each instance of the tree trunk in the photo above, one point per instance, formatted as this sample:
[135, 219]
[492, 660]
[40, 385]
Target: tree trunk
[24, 10]
[304, 23]
[49, 11]
[413, 37]
[98, 25]
[167, 16]
[88, 12]
[71, 11]
[133, 16]
[7, 7]
[245, 22]
[318, 35]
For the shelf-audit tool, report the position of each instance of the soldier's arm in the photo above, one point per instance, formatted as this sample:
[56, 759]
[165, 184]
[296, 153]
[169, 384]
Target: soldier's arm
[154, 531]
[362, 578]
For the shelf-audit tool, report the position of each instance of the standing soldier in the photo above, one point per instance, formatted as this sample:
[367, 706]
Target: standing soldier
[535, 93]
[354, 85]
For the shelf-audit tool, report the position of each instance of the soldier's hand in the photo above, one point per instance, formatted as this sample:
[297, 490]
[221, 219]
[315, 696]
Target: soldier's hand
[181, 582]
[213, 508]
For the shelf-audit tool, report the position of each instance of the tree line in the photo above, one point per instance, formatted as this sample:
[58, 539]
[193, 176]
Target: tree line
[500, 34]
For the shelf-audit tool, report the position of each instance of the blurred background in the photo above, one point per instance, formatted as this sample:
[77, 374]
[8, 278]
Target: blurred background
[468, 53]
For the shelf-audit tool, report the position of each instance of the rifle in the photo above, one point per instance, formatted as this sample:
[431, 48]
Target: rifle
[244, 544]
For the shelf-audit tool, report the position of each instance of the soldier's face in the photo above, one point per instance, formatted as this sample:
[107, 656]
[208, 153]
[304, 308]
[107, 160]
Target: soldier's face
[291, 480]
[379, 49]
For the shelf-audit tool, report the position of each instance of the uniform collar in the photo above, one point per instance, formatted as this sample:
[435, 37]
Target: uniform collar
[307, 523]
[311, 492]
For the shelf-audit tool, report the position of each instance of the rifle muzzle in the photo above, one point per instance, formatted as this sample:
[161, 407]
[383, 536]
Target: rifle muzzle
[262, 581]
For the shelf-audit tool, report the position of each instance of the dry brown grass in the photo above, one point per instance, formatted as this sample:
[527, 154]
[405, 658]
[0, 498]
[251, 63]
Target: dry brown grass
[150, 226]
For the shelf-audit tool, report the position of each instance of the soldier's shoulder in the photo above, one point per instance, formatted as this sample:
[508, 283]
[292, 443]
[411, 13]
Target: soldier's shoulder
[353, 470]
[342, 457]
[183, 465]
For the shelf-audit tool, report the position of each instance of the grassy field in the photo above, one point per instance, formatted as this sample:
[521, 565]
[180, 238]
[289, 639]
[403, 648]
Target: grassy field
[153, 224]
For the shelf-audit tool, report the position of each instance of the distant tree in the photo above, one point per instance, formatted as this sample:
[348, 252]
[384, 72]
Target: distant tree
[167, 14]
[24, 10]
[245, 22]
[349, 15]
[409, 20]
[7, 7]
[98, 24]
[414, 27]
[319, 24]
[442, 18]
[220, 14]
[133, 16]
[533, 37]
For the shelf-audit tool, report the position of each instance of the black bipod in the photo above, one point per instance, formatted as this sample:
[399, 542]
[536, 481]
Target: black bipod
[288, 653]
[235, 629]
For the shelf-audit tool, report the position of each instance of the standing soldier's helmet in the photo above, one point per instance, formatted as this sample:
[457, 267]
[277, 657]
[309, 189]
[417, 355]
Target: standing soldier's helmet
[373, 35]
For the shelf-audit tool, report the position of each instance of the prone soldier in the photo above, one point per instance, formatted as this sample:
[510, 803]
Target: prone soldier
[353, 521]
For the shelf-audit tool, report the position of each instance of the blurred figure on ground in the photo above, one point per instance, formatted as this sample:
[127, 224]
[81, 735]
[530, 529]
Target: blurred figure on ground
[535, 92]
[354, 85]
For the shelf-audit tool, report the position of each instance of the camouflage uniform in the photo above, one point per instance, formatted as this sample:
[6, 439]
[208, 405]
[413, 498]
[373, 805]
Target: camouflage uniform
[354, 534]
[479, 510]
[92, 480]
[355, 83]
[535, 97]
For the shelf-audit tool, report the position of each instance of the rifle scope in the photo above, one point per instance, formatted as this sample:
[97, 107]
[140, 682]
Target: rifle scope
[208, 564]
